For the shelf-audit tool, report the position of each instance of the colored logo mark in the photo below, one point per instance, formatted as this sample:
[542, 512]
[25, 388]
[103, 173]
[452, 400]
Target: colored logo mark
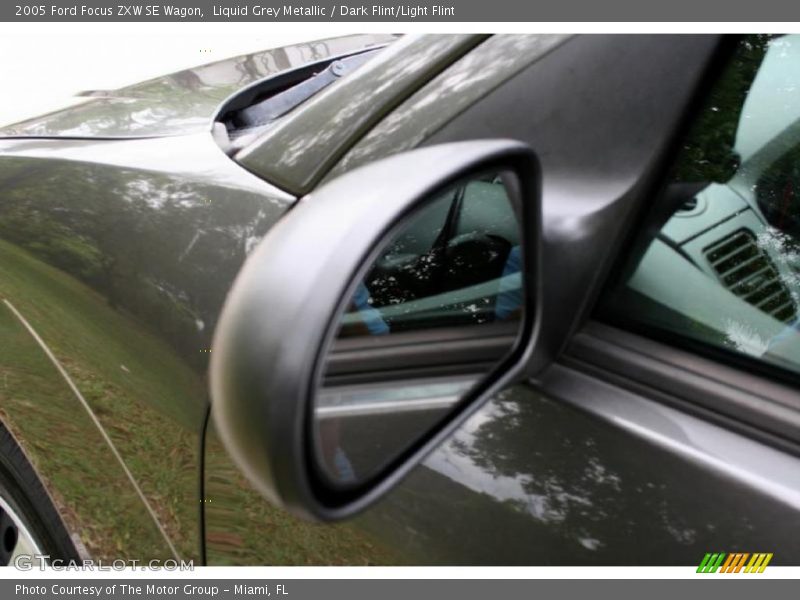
[735, 562]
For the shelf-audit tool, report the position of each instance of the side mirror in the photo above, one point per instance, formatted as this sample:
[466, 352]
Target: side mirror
[374, 318]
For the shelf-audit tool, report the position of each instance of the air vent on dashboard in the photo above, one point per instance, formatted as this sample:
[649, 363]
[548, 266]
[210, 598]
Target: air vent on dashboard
[749, 272]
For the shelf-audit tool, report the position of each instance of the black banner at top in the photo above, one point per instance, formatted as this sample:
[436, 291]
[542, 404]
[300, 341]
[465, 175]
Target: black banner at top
[399, 11]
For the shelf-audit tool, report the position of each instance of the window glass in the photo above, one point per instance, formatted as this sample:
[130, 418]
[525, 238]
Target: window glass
[720, 261]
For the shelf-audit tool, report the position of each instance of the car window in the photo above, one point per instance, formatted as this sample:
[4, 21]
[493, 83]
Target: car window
[720, 260]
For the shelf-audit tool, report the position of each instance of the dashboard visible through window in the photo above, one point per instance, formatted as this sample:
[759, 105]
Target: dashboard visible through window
[721, 265]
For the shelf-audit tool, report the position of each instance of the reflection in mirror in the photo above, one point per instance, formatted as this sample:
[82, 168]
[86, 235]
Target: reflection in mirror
[437, 309]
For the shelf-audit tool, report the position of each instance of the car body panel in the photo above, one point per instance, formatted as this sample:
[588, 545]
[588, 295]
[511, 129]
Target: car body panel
[182, 102]
[561, 476]
[298, 151]
[465, 82]
[98, 505]
[119, 254]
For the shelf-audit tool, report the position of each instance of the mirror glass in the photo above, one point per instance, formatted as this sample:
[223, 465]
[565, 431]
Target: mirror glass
[438, 307]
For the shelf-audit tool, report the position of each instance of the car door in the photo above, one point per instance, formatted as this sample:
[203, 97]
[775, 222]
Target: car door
[644, 439]
[627, 450]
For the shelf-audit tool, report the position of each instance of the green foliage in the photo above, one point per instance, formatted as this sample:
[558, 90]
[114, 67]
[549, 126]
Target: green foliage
[707, 154]
[53, 242]
[148, 401]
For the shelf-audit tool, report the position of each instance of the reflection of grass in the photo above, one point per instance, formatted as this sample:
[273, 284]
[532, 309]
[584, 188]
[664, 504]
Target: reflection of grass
[151, 405]
[91, 492]
[244, 529]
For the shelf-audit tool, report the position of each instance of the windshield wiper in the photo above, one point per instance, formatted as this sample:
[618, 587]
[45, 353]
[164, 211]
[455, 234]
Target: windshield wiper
[264, 112]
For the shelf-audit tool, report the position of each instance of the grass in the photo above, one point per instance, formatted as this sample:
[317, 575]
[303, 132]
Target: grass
[151, 405]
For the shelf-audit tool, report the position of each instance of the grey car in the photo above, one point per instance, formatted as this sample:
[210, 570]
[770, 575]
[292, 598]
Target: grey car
[457, 299]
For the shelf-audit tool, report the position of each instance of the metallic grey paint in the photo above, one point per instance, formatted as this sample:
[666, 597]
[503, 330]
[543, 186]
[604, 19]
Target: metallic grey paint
[119, 254]
[297, 152]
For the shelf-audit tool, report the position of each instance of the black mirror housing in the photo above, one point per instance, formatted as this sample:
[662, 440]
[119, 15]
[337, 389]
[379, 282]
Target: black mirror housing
[280, 314]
